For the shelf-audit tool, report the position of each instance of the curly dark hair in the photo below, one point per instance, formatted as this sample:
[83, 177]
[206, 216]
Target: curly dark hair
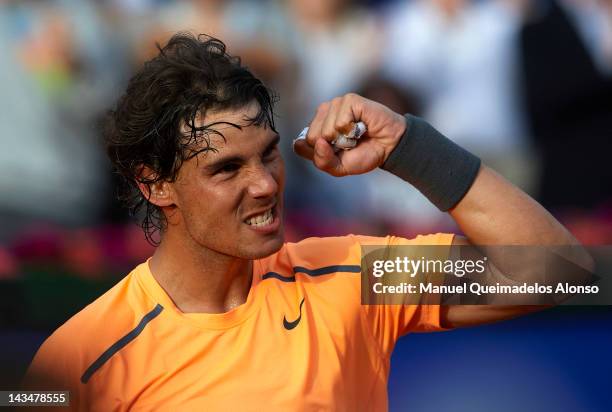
[154, 123]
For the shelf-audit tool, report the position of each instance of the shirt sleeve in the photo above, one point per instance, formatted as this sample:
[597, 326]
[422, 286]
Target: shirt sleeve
[388, 322]
[55, 367]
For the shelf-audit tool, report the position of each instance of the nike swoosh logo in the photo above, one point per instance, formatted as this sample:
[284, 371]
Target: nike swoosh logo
[290, 325]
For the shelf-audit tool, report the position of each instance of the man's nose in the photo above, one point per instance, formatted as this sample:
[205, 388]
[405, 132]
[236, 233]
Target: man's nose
[262, 182]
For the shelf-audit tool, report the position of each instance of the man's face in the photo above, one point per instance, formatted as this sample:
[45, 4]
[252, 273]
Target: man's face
[231, 201]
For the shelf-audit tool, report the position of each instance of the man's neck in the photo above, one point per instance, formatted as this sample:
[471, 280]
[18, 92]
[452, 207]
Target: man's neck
[200, 280]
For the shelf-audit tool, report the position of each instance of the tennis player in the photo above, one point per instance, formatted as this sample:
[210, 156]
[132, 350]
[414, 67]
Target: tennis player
[225, 315]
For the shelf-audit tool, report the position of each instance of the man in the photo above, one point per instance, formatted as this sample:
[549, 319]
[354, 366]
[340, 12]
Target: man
[225, 315]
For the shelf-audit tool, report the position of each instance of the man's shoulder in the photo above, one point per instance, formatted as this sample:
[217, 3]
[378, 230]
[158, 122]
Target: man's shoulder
[340, 244]
[318, 255]
[325, 250]
[116, 307]
[91, 331]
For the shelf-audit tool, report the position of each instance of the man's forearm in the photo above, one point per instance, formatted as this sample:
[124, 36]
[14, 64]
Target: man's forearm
[495, 212]
[488, 209]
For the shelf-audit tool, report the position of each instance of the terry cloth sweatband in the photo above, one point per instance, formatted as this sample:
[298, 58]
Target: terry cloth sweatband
[439, 168]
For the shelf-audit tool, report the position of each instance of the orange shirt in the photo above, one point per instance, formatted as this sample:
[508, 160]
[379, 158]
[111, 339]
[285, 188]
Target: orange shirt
[301, 341]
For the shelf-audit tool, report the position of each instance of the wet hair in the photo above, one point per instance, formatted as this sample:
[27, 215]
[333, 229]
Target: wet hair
[155, 124]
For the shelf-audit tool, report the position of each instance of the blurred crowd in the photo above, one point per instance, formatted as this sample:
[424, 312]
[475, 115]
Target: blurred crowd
[526, 85]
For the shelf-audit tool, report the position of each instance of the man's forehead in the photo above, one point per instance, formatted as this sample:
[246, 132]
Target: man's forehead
[219, 128]
[232, 133]
[223, 119]
[227, 137]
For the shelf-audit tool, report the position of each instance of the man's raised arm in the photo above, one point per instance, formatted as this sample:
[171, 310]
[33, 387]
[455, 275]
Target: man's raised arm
[487, 208]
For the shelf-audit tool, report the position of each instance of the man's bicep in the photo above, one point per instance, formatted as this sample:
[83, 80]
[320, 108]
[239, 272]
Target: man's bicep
[455, 316]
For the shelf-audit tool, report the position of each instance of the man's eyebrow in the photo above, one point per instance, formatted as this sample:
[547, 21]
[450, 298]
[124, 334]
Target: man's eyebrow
[219, 163]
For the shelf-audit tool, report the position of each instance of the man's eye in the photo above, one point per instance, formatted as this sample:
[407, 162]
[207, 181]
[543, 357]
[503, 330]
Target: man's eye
[228, 168]
[270, 153]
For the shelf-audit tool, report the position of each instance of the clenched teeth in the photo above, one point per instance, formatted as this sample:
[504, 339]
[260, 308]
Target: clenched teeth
[261, 220]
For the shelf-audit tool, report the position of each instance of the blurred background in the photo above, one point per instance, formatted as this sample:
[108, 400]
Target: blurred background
[526, 85]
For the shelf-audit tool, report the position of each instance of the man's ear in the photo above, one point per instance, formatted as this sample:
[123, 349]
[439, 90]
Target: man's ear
[158, 192]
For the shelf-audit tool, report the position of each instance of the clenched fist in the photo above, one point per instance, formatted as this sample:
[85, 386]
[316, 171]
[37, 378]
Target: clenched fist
[384, 130]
